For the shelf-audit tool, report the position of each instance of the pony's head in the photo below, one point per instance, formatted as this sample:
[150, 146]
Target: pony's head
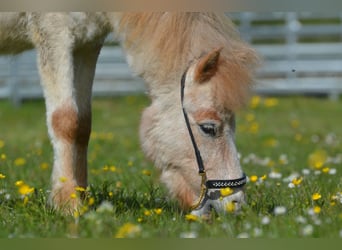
[213, 87]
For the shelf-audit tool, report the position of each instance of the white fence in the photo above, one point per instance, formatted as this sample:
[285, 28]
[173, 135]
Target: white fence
[302, 55]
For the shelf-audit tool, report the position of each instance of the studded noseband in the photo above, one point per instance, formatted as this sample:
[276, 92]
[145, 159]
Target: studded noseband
[205, 184]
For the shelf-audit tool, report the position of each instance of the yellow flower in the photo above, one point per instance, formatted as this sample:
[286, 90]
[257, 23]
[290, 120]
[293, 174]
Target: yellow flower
[226, 191]
[112, 168]
[62, 179]
[91, 201]
[294, 123]
[2, 176]
[297, 181]
[19, 161]
[317, 159]
[44, 166]
[325, 170]
[316, 196]
[271, 102]
[317, 209]
[80, 189]
[253, 128]
[25, 189]
[298, 137]
[255, 101]
[146, 172]
[250, 117]
[147, 213]
[271, 143]
[191, 217]
[158, 211]
[73, 196]
[253, 178]
[3, 157]
[128, 230]
[19, 183]
[230, 207]
[264, 177]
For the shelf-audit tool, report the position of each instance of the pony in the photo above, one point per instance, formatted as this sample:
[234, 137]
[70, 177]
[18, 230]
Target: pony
[198, 73]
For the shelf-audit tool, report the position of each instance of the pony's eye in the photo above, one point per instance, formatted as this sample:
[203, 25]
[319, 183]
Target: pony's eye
[209, 129]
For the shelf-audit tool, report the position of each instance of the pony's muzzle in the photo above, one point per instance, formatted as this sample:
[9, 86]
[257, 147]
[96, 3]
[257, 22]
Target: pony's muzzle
[222, 205]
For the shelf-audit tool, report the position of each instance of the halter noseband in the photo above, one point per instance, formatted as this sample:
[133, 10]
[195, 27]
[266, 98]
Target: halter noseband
[205, 184]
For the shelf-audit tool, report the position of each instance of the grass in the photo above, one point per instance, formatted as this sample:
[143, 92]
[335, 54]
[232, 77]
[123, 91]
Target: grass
[290, 148]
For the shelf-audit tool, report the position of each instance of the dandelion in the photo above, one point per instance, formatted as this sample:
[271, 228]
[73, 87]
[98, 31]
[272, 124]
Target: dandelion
[2, 176]
[146, 172]
[19, 162]
[317, 209]
[271, 143]
[80, 189]
[226, 191]
[62, 179]
[250, 117]
[112, 169]
[91, 201]
[298, 137]
[255, 102]
[254, 128]
[297, 181]
[230, 207]
[158, 211]
[279, 210]
[3, 157]
[23, 188]
[253, 178]
[317, 159]
[295, 123]
[191, 217]
[73, 196]
[44, 166]
[270, 102]
[316, 196]
[128, 230]
[325, 170]
[147, 213]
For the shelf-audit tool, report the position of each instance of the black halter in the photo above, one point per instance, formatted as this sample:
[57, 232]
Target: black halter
[206, 184]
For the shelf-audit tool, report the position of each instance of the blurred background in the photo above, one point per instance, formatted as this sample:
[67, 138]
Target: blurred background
[301, 52]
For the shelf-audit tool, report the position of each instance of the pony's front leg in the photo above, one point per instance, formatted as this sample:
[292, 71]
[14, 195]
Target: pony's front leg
[67, 78]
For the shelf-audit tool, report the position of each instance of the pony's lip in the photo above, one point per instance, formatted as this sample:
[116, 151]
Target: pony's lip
[213, 200]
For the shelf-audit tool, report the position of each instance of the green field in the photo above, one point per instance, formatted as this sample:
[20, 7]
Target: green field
[290, 148]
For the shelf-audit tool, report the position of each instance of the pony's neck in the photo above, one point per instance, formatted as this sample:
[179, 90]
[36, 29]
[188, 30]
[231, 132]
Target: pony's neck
[160, 46]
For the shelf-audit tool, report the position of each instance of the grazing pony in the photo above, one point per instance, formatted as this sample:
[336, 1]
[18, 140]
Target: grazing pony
[198, 73]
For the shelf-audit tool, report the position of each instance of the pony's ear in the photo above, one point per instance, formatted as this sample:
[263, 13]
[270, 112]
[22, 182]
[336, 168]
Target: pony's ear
[207, 66]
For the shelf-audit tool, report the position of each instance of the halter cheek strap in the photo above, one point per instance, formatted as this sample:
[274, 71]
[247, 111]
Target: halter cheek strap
[205, 184]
